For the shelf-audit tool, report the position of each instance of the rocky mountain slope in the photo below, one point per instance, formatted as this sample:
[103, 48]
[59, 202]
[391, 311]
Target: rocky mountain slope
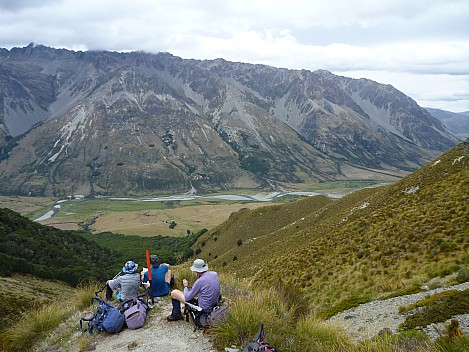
[107, 123]
[457, 123]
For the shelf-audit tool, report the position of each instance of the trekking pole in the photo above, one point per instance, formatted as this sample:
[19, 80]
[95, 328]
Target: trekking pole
[105, 284]
[147, 253]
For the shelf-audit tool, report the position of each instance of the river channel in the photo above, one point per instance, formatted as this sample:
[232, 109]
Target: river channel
[261, 197]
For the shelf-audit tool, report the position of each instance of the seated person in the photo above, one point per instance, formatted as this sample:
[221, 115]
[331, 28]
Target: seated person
[161, 277]
[126, 286]
[206, 286]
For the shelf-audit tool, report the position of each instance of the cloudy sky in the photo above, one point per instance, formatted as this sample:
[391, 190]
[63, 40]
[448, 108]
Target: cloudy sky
[421, 47]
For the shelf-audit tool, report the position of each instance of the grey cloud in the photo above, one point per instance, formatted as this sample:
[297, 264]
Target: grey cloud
[15, 5]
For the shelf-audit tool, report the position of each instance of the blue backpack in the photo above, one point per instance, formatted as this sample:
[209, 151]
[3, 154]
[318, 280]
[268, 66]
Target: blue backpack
[106, 318]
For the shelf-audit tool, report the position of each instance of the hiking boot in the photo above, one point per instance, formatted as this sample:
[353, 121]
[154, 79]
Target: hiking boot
[175, 317]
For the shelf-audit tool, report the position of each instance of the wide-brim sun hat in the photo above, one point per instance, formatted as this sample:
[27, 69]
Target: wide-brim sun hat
[129, 267]
[199, 266]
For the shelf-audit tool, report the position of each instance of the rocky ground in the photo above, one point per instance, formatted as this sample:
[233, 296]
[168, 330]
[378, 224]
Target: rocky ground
[157, 335]
[362, 322]
[367, 320]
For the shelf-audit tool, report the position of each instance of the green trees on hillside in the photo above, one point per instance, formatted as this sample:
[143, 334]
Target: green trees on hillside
[46, 252]
[171, 250]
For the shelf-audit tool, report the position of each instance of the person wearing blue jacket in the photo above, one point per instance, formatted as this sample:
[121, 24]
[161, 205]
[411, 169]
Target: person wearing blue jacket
[161, 277]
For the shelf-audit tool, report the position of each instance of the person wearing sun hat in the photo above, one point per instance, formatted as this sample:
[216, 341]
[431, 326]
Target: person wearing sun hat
[206, 287]
[126, 286]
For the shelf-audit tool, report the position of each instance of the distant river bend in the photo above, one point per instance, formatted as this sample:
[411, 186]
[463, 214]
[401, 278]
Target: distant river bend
[187, 197]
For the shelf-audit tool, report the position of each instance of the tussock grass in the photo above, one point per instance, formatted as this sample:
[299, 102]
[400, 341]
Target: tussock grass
[378, 242]
[314, 335]
[446, 345]
[183, 272]
[83, 294]
[246, 313]
[289, 331]
[33, 326]
[413, 341]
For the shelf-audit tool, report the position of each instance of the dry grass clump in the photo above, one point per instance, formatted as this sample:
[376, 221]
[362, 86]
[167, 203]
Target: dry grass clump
[84, 293]
[315, 335]
[32, 326]
[246, 313]
[40, 325]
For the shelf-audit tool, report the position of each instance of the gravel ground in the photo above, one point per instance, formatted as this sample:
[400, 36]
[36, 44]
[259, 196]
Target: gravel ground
[366, 320]
[157, 335]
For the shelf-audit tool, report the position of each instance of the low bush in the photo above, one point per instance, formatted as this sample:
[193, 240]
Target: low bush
[437, 308]
[348, 303]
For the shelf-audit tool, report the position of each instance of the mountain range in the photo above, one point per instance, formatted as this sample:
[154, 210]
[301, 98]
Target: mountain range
[457, 123]
[108, 123]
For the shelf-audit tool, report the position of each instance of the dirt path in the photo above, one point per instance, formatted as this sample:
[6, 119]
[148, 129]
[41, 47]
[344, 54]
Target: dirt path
[158, 335]
[367, 320]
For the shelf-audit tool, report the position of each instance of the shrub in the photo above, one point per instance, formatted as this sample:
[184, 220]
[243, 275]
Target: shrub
[437, 308]
[463, 275]
[449, 270]
[348, 303]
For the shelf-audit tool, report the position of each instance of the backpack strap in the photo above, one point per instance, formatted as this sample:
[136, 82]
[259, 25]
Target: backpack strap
[95, 314]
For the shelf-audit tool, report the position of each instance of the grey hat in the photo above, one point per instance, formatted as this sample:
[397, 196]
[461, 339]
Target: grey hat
[199, 266]
[154, 259]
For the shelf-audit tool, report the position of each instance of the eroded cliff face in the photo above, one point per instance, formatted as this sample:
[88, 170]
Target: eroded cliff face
[136, 123]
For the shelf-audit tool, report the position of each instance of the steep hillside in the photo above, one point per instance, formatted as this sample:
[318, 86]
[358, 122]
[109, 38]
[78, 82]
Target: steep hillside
[107, 123]
[20, 293]
[370, 243]
[261, 225]
[30, 248]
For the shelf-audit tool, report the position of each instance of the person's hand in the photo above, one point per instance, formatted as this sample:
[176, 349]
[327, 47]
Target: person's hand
[185, 283]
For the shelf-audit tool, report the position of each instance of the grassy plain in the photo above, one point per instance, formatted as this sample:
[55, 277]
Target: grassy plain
[32, 207]
[145, 218]
[150, 218]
